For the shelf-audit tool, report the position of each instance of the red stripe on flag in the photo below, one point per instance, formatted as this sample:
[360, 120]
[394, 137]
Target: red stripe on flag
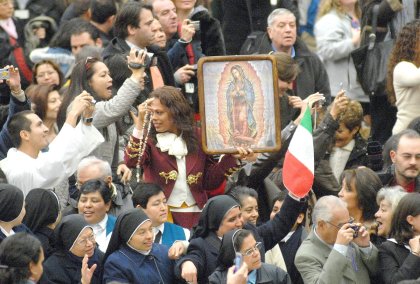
[297, 178]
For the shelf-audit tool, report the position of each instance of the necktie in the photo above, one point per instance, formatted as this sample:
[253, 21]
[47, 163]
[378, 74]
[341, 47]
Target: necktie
[157, 79]
[158, 237]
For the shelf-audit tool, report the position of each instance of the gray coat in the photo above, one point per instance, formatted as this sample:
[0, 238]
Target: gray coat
[104, 118]
[333, 35]
[319, 263]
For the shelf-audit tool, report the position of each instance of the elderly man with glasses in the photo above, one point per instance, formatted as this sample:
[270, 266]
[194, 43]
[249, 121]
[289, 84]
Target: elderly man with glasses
[337, 250]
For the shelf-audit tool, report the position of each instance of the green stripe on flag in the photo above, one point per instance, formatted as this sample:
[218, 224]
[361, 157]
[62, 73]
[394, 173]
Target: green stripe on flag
[306, 120]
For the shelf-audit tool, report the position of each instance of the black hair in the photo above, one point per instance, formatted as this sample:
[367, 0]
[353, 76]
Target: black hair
[239, 239]
[62, 36]
[81, 26]
[281, 196]
[142, 193]
[82, 73]
[16, 253]
[401, 230]
[18, 122]
[96, 185]
[101, 10]
[240, 192]
[129, 15]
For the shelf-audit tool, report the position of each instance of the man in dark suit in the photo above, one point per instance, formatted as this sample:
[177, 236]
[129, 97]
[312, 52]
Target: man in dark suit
[133, 29]
[336, 250]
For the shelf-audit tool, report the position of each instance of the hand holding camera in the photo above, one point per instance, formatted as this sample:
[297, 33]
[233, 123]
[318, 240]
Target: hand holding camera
[11, 75]
[137, 62]
[188, 30]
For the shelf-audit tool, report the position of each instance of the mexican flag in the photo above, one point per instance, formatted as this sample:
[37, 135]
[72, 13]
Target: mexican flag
[298, 168]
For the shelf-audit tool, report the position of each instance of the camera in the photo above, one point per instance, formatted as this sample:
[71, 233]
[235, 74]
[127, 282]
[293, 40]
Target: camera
[196, 25]
[4, 74]
[356, 230]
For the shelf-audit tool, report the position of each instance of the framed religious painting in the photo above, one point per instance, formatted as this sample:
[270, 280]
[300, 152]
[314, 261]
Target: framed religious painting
[239, 104]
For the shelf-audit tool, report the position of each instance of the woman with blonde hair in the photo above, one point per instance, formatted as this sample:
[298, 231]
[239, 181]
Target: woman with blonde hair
[337, 33]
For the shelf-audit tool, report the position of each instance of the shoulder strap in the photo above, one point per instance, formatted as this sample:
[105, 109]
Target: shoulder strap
[372, 35]
[249, 9]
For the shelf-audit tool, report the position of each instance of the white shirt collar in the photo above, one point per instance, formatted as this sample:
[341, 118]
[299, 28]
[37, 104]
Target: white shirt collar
[349, 147]
[102, 224]
[160, 228]
[7, 234]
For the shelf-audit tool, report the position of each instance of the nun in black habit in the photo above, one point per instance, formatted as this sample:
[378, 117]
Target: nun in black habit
[42, 215]
[12, 211]
[243, 242]
[74, 239]
[220, 215]
[132, 256]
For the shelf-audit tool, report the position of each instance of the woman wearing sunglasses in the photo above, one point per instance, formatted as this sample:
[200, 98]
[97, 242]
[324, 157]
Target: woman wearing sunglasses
[243, 242]
[94, 77]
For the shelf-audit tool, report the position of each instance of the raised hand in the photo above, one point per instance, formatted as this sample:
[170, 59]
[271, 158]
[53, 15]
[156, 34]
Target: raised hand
[14, 80]
[136, 63]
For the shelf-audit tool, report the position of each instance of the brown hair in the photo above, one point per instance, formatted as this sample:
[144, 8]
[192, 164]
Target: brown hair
[406, 48]
[39, 97]
[353, 115]
[53, 65]
[181, 112]
[401, 230]
[366, 183]
[287, 68]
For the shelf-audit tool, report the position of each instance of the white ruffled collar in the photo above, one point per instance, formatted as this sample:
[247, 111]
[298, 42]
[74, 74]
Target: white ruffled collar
[173, 144]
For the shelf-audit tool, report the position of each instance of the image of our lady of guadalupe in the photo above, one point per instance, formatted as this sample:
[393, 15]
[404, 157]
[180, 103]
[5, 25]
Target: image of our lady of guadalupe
[240, 98]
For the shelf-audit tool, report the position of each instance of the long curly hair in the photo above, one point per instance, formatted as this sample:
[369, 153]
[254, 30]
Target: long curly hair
[182, 114]
[327, 5]
[406, 48]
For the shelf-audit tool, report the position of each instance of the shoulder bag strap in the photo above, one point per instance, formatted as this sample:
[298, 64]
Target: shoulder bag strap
[249, 9]
[372, 35]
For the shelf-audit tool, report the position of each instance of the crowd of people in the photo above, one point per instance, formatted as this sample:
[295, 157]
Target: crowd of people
[104, 176]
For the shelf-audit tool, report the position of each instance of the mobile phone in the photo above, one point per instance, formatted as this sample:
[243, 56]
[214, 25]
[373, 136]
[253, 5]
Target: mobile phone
[4, 74]
[238, 261]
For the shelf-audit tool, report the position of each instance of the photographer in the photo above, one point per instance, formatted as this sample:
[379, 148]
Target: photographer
[324, 256]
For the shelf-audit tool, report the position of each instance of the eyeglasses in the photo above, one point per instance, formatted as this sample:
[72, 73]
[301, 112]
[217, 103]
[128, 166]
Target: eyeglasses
[351, 220]
[250, 251]
[83, 242]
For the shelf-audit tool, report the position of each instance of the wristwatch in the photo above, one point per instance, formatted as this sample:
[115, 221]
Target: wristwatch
[88, 119]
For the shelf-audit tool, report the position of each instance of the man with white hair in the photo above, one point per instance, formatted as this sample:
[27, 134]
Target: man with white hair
[337, 250]
[93, 168]
[282, 37]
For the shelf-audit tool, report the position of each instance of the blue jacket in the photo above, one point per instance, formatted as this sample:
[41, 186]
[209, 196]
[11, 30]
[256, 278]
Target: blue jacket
[129, 266]
[172, 233]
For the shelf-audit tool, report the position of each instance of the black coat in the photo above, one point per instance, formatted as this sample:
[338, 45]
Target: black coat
[236, 25]
[267, 273]
[46, 237]
[312, 77]
[64, 268]
[396, 263]
[17, 229]
[203, 252]
[325, 182]
[114, 56]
